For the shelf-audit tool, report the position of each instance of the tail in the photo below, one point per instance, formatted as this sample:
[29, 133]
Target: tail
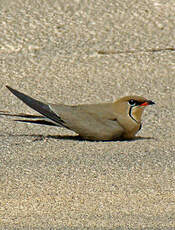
[21, 115]
[39, 106]
[28, 118]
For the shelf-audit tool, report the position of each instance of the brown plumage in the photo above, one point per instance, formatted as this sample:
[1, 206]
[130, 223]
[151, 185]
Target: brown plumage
[106, 121]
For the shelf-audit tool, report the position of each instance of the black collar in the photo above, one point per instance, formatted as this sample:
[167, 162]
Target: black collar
[130, 114]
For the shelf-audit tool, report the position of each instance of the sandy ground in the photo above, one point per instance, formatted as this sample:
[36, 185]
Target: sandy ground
[87, 51]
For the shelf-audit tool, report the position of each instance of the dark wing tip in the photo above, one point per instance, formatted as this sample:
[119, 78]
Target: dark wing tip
[39, 106]
[8, 87]
[14, 91]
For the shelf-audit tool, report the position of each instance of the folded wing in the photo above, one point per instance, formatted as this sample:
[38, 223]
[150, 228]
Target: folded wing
[95, 121]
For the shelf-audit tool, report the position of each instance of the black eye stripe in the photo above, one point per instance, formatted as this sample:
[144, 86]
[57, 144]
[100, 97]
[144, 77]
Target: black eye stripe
[133, 102]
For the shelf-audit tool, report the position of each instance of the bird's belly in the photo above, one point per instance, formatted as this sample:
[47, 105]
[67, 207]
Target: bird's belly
[131, 133]
[101, 133]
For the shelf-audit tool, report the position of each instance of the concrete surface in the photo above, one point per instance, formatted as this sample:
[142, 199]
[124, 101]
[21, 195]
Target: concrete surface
[76, 52]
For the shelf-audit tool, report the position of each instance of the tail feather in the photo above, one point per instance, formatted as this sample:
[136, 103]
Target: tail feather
[29, 118]
[38, 122]
[22, 115]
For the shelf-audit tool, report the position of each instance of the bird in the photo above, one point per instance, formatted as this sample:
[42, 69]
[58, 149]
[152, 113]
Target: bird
[118, 120]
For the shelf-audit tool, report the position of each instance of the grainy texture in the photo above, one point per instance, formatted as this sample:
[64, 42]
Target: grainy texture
[76, 52]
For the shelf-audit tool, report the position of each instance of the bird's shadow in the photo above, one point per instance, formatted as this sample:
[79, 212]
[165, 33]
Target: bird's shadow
[38, 137]
[79, 138]
[59, 137]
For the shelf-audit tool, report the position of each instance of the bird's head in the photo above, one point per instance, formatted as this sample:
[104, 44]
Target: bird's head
[133, 106]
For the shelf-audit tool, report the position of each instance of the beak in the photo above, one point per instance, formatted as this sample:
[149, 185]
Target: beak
[151, 102]
[147, 103]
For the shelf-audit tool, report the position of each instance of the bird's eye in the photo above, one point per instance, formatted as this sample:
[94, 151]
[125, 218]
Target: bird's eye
[132, 102]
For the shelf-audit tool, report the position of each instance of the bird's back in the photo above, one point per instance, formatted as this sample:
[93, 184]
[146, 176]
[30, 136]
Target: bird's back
[94, 121]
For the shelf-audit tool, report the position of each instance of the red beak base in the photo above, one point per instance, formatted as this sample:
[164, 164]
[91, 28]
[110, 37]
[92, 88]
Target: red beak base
[147, 103]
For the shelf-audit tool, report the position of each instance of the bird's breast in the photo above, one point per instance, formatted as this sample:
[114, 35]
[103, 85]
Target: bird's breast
[130, 126]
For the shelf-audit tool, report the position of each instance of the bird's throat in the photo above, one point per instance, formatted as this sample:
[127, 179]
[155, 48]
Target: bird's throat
[135, 114]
